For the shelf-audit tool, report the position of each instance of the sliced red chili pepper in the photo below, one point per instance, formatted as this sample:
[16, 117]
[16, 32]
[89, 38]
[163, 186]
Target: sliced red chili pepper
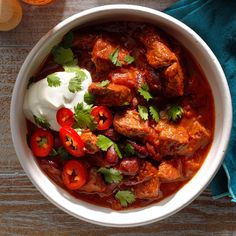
[65, 117]
[71, 141]
[74, 174]
[41, 142]
[102, 116]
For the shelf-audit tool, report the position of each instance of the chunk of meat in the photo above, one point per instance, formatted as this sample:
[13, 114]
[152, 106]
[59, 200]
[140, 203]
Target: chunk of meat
[130, 124]
[148, 189]
[124, 76]
[153, 80]
[173, 81]
[95, 183]
[158, 53]
[173, 139]
[90, 141]
[111, 95]
[170, 171]
[199, 137]
[103, 48]
[190, 166]
[179, 140]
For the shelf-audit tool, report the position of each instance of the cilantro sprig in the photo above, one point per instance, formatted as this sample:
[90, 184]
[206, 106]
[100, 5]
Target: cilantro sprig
[129, 150]
[125, 197]
[89, 98]
[62, 56]
[114, 57]
[145, 91]
[111, 175]
[103, 83]
[83, 117]
[53, 80]
[143, 112]
[104, 143]
[175, 112]
[41, 121]
[129, 59]
[154, 113]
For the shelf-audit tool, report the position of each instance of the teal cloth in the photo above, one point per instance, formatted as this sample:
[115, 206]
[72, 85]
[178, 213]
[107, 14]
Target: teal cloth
[215, 22]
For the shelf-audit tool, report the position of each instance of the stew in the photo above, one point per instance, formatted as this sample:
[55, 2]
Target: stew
[136, 120]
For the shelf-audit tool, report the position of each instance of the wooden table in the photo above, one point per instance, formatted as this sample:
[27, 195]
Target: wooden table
[23, 210]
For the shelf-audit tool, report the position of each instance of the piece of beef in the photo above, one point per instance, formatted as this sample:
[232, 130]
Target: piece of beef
[95, 183]
[190, 166]
[103, 48]
[130, 124]
[111, 95]
[173, 139]
[173, 80]
[146, 172]
[170, 171]
[158, 53]
[199, 137]
[148, 189]
[181, 140]
[90, 141]
[124, 76]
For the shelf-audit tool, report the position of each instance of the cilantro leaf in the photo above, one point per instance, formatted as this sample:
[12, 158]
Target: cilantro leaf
[145, 92]
[67, 40]
[72, 67]
[154, 113]
[117, 149]
[129, 59]
[75, 85]
[125, 197]
[143, 112]
[103, 83]
[111, 175]
[89, 98]
[129, 150]
[83, 117]
[114, 57]
[103, 142]
[53, 80]
[53, 153]
[175, 112]
[62, 56]
[41, 121]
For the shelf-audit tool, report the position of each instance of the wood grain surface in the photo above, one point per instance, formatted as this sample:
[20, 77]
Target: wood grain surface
[23, 210]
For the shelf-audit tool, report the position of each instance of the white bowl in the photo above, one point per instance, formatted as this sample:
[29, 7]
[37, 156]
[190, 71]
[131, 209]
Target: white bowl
[223, 112]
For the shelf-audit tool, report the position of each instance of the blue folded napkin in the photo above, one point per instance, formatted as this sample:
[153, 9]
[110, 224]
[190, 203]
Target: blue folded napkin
[215, 22]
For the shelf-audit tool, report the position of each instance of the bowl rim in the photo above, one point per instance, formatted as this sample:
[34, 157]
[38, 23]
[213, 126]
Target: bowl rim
[59, 27]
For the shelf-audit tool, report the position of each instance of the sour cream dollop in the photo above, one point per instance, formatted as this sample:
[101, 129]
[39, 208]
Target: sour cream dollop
[41, 100]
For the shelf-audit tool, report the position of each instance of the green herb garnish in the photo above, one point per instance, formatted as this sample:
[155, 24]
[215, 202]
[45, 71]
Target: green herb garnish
[53, 80]
[103, 83]
[129, 150]
[67, 40]
[175, 112]
[111, 175]
[114, 57]
[89, 98]
[145, 92]
[125, 197]
[143, 112]
[83, 117]
[129, 59]
[41, 121]
[154, 113]
[63, 56]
